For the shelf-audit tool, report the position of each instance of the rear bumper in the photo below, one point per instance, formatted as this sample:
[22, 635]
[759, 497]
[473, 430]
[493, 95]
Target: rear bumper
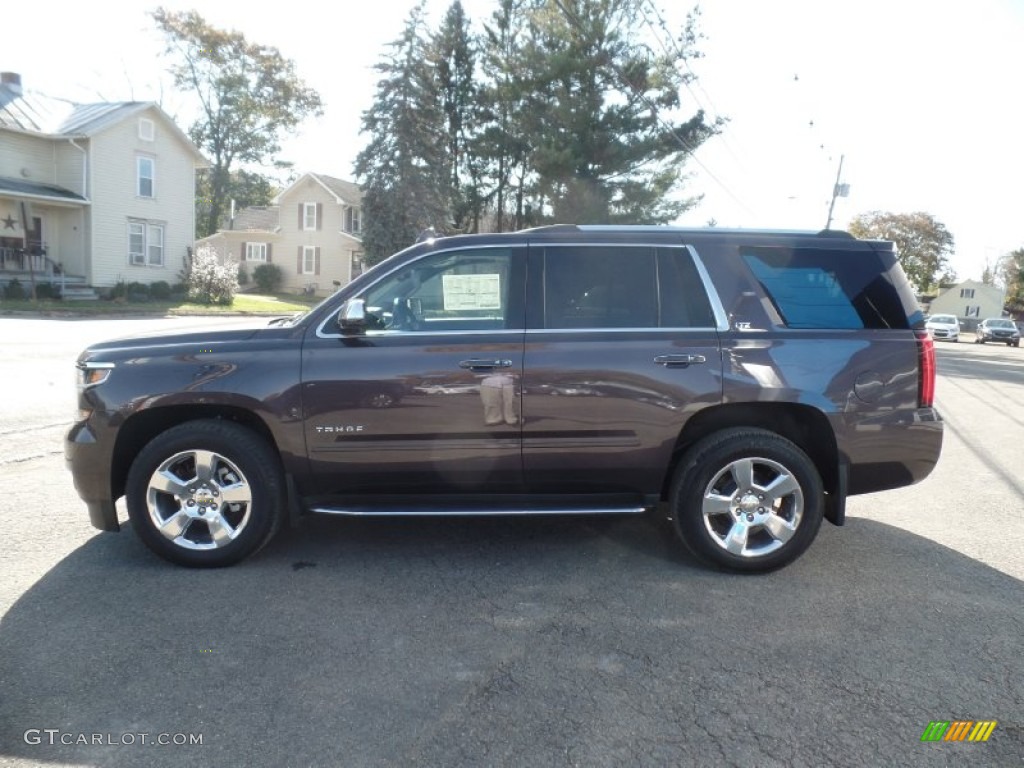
[892, 450]
[88, 458]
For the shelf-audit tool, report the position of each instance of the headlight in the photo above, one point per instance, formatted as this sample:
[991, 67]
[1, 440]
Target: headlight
[91, 374]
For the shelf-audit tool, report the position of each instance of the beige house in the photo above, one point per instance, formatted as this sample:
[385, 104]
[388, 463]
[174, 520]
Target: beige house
[312, 231]
[92, 193]
[971, 301]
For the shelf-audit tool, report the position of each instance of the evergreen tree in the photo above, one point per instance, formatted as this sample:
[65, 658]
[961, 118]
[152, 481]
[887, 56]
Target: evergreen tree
[606, 145]
[453, 62]
[501, 144]
[403, 170]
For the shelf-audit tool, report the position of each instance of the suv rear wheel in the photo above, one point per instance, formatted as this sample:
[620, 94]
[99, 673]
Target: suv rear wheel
[205, 493]
[747, 500]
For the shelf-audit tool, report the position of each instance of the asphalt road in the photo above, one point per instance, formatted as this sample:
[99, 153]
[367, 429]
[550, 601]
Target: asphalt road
[523, 642]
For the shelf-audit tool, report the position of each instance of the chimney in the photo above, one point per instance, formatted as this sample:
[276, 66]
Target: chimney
[12, 82]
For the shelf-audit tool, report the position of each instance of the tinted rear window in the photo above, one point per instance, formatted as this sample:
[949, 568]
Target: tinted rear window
[819, 288]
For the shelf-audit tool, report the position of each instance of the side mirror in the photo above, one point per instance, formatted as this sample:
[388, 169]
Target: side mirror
[352, 317]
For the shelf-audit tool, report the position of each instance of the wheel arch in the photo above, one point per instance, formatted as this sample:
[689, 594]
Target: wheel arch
[143, 426]
[804, 425]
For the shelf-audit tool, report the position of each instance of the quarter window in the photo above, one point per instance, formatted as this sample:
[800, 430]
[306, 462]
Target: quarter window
[826, 289]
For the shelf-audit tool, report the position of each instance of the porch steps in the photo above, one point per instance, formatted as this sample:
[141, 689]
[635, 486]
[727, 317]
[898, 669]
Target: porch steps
[79, 294]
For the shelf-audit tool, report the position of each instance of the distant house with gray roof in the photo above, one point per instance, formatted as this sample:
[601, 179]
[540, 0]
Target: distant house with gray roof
[313, 231]
[93, 193]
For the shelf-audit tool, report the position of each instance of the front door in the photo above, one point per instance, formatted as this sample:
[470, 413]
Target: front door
[428, 399]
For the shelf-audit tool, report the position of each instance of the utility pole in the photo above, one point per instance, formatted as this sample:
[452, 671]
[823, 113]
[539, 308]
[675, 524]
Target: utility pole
[838, 190]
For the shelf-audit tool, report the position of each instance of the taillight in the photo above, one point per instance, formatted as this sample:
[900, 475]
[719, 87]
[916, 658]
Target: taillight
[926, 369]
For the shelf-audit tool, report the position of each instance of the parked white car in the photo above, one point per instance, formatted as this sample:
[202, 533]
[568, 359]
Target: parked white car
[944, 327]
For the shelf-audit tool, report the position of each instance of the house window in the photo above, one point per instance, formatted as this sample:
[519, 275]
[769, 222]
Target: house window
[145, 244]
[146, 129]
[309, 260]
[352, 220]
[972, 311]
[256, 252]
[309, 215]
[146, 173]
[966, 293]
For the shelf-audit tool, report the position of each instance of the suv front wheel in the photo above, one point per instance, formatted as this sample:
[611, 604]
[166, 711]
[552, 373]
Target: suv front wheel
[205, 493]
[746, 500]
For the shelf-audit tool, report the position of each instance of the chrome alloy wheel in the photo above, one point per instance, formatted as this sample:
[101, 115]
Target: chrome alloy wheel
[752, 507]
[199, 500]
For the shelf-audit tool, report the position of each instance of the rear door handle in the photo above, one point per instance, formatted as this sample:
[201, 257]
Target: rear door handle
[485, 365]
[678, 361]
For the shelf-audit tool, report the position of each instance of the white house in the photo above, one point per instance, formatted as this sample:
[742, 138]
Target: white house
[312, 231]
[971, 301]
[99, 192]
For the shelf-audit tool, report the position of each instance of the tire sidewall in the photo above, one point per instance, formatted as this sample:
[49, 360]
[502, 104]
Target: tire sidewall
[706, 460]
[239, 446]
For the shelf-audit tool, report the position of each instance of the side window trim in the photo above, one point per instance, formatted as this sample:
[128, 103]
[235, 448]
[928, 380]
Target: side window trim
[536, 297]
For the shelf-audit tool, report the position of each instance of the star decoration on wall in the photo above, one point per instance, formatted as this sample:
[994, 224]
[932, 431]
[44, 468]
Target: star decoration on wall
[8, 222]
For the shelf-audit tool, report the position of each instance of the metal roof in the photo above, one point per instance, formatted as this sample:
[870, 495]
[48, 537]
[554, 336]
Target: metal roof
[35, 189]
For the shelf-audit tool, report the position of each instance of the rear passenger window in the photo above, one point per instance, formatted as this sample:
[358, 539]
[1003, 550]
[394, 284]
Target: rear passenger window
[600, 287]
[826, 289]
[684, 303]
[623, 287]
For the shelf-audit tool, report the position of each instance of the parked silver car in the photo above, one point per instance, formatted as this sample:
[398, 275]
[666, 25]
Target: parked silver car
[946, 327]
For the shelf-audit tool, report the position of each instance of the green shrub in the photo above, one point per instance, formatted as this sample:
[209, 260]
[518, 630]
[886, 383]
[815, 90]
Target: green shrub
[47, 291]
[119, 291]
[138, 292]
[14, 291]
[268, 277]
[243, 275]
[211, 282]
[160, 290]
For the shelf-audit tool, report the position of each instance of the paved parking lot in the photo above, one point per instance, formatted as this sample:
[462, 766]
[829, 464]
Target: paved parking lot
[523, 642]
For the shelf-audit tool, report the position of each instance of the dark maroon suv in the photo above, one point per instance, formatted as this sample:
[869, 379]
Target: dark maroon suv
[750, 380]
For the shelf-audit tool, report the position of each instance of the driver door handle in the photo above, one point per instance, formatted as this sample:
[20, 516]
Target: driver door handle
[485, 365]
[678, 361]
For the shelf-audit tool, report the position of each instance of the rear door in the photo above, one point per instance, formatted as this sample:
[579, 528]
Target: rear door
[621, 349]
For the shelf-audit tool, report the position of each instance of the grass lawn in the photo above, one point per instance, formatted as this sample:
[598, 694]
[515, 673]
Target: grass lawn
[245, 303]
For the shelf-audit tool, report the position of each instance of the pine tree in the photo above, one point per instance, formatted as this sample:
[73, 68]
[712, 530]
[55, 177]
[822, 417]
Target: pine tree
[607, 145]
[403, 170]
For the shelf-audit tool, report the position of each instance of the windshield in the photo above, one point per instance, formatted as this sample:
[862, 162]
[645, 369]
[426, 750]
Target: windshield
[944, 319]
[1000, 324]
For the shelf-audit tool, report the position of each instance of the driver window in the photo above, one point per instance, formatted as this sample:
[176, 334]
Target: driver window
[455, 291]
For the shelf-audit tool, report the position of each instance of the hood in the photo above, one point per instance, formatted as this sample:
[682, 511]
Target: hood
[195, 336]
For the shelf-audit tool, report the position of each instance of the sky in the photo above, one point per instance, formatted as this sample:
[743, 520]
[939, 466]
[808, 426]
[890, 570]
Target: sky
[921, 100]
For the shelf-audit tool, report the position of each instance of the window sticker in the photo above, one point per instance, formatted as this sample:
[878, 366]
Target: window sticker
[466, 292]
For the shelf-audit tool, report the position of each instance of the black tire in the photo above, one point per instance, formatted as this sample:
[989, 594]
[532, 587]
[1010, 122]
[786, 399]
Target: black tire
[980, 340]
[711, 467]
[202, 464]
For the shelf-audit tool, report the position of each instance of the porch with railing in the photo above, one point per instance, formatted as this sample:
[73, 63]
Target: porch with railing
[25, 263]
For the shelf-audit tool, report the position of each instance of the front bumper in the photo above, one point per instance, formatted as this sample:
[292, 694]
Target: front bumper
[88, 457]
